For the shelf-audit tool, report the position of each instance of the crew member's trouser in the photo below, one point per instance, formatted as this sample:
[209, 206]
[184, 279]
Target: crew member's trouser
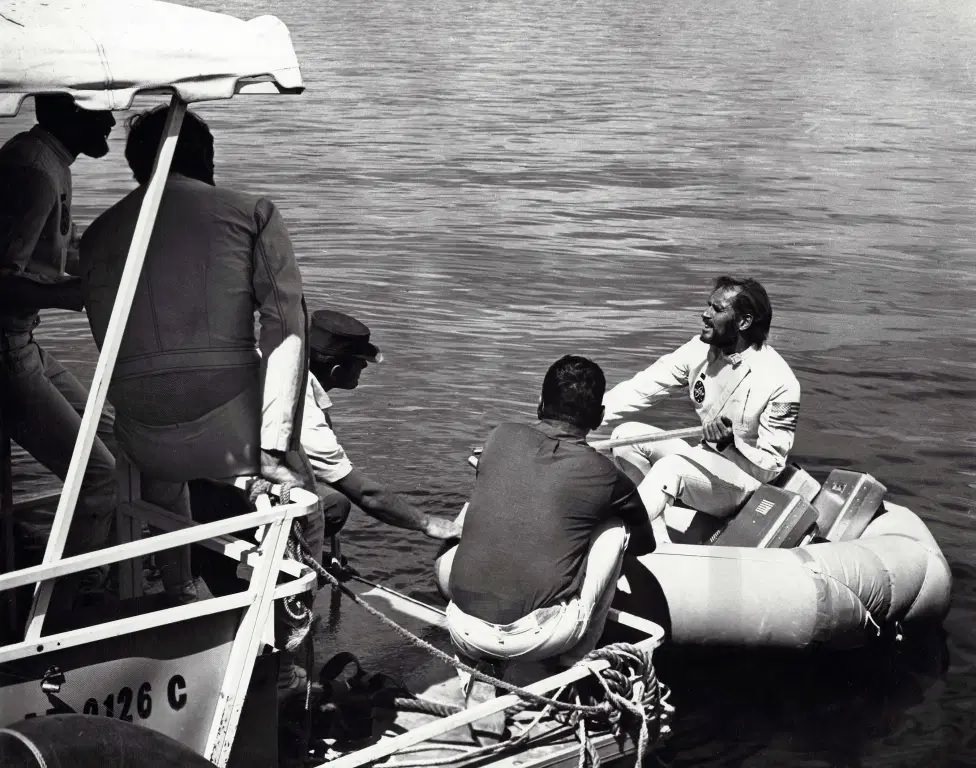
[221, 444]
[701, 477]
[174, 564]
[42, 405]
[570, 629]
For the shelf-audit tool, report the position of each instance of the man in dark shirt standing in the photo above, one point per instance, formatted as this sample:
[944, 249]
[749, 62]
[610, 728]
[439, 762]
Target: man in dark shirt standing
[41, 401]
[545, 531]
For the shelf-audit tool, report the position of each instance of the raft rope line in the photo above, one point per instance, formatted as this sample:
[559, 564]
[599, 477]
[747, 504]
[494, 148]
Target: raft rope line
[631, 672]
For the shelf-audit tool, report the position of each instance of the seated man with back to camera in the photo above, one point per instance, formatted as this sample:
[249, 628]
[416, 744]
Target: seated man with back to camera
[544, 533]
[744, 393]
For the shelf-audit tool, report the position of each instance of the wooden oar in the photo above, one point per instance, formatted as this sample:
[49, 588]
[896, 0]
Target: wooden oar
[605, 445]
[650, 437]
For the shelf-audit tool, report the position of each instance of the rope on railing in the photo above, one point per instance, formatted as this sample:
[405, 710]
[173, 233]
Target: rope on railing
[297, 611]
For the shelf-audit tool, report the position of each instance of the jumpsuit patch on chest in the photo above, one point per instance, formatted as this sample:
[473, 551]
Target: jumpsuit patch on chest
[699, 392]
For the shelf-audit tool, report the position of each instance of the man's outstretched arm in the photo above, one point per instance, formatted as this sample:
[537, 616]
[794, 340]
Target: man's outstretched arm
[393, 508]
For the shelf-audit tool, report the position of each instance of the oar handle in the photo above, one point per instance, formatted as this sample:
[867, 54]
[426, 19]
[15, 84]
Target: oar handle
[651, 437]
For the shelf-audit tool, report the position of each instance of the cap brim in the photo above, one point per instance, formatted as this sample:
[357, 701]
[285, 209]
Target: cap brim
[369, 352]
[372, 354]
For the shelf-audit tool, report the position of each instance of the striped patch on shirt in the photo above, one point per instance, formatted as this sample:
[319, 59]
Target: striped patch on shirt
[784, 415]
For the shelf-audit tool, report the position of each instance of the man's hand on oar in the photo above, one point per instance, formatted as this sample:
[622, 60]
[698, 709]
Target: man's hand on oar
[718, 431]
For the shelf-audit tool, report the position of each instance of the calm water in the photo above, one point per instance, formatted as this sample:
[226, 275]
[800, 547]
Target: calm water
[492, 185]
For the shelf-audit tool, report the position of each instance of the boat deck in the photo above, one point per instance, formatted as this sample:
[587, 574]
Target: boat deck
[414, 739]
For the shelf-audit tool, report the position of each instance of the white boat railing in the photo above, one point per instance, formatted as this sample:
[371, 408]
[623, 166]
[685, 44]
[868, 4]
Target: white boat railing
[260, 564]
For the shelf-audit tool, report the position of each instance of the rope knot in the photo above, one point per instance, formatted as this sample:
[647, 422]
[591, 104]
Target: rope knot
[629, 699]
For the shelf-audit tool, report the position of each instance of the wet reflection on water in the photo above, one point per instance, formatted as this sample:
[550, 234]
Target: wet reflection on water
[490, 186]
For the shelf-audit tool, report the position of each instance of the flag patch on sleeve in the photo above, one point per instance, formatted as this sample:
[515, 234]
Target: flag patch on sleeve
[784, 415]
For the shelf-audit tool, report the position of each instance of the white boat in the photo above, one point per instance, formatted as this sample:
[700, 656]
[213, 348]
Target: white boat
[199, 680]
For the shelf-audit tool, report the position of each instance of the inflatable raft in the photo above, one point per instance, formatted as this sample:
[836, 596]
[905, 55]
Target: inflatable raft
[863, 566]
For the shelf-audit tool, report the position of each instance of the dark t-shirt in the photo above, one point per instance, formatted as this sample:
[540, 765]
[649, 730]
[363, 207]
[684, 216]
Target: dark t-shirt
[539, 495]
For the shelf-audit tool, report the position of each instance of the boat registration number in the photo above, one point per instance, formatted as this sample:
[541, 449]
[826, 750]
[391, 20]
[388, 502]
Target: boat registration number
[167, 679]
[129, 703]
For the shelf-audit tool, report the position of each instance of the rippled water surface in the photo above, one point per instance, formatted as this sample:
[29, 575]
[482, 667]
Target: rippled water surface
[492, 185]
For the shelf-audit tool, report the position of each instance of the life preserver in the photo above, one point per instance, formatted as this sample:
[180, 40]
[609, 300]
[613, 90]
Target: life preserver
[89, 741]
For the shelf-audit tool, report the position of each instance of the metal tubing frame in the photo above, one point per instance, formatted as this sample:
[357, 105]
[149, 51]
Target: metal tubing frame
[266, 557]
[304, 505]
[240, 665]
[241, 551]
[261, 554]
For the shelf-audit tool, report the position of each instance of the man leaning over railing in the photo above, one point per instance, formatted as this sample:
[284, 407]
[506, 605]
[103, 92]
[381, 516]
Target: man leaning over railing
[194, 397]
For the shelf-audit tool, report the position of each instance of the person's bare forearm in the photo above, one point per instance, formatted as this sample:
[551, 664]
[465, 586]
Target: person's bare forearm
[392, 508]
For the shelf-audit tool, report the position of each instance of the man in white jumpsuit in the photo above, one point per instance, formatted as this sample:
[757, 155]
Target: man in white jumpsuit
[744, 393]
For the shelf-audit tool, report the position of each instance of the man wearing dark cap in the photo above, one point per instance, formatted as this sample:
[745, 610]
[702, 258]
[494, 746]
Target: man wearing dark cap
[339, 350]
[744, 393]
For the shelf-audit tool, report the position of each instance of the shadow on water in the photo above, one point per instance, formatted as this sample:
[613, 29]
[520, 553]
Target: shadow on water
[737, 707]
[818, 708]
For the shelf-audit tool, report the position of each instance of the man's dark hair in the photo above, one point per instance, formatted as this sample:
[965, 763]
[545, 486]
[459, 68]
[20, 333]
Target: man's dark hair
[53, 109]
[194, 156]
[750, 299]
[573, 392]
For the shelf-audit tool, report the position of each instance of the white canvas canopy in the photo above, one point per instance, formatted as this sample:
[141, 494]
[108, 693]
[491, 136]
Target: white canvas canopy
[103, 52]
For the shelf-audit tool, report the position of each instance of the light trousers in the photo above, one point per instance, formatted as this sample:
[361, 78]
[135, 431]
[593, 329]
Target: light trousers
[697, 475]
[570, 629]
